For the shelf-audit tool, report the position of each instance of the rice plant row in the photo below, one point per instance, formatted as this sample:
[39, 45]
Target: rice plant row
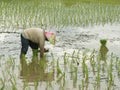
[22, 14]
[79, 70]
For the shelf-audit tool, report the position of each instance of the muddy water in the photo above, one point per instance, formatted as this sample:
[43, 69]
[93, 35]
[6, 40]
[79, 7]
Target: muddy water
[81, 38]
[67, 40]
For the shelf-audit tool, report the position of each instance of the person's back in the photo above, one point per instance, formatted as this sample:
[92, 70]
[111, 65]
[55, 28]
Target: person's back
[35, 38]
[34, 34]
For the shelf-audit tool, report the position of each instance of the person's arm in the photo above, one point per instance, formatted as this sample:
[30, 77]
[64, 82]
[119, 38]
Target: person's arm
[46, 39]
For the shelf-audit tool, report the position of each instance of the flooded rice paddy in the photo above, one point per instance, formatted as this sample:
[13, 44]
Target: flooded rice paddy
[78, 61]
[68, 39]
[72, 64]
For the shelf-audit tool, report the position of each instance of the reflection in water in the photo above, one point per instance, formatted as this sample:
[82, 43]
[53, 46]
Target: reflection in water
[35, 72]
[103, 50]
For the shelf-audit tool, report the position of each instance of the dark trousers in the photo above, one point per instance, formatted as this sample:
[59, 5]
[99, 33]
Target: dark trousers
[25, 43]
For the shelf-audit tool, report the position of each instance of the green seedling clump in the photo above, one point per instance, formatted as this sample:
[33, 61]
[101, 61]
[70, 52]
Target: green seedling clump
[103, 42]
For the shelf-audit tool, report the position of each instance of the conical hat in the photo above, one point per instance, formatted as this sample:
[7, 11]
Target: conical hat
[51, 37]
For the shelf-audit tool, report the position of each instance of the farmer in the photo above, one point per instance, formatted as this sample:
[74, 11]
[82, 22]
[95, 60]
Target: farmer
[35, 38]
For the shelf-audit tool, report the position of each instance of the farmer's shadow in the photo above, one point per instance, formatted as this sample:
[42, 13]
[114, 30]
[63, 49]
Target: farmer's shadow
[103, 50]
[35, 71]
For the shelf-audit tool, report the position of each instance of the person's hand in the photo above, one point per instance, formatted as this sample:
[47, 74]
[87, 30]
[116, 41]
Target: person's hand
[46, 50]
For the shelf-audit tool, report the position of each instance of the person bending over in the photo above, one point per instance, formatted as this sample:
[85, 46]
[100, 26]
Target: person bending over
[35, 38]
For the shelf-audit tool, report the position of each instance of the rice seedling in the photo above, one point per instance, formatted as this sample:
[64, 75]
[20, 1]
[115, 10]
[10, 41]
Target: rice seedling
[75, 77]
[49, 86]
[58, 68]
[36, 85]
[110, 75]
[52, 56]
[111, 66]
[83, 66]
[103, 67]
[65, 61]
[79, 87]
[92, 61]
[61, 78]
[2, 84]
[117, 64]
[83, 83]
[86, 77]
[86, 74]
[118, 70]
[64, 80]
[25, 86]
[71, 69]
[98, 77]
[117, 58]
[13, 85]
[73, 55]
